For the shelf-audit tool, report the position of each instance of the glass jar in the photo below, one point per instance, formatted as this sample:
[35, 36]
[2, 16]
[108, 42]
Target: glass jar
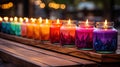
[55, 32]
[105, 38]
[67, 35]
[84, 36]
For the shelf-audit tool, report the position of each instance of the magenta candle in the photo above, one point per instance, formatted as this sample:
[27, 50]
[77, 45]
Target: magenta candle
[55, 31]
[67, 34]
[84, 36]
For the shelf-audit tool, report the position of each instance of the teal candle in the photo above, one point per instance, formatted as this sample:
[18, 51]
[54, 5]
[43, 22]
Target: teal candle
[12, 26]
[18, 27]
[4, 25]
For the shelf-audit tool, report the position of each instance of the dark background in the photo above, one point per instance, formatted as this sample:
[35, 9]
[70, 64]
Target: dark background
[96, 10]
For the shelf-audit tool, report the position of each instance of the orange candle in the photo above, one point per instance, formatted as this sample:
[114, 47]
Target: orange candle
[37, 29]
[30, 26]
[45, 30]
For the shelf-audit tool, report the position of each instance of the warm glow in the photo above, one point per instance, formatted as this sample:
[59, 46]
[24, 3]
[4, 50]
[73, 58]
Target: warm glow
[7, 6]
[26, 19]
[11, 19]
[42, 5]
[46, 21]
[40, 20]
[105, 24]
[33, 20]
[20, 19]
[69, 21]
[6, 18]
[58, 21]
[1, 19]
[62, 6]
[15, 19]
[87, 23]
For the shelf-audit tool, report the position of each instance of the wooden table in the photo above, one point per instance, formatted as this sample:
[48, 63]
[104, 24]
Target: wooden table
[94, 58]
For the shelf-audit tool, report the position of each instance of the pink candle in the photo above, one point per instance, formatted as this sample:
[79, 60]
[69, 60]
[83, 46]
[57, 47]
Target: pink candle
[24, 27]
[67, 34]
[84, 36]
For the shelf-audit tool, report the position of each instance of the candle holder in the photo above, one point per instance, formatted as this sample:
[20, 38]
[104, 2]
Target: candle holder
[105, 38]
[67, 34]
[55, 32]
[84, 35]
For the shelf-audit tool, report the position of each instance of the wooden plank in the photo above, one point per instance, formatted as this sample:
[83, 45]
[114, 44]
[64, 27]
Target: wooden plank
[61, 56]
[90, 55]
[36, 57]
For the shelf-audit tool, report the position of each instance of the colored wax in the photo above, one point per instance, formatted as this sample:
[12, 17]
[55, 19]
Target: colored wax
[105, 40]
[55, 33]
[67, 35]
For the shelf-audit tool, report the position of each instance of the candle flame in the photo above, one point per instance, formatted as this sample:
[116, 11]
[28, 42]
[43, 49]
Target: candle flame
[87, 23]
[21, 19]
[40, 20]
[105, 24]
[46, 21]
[26, 19]
[1, 19]
[58, 21]
[6, 18]
[11, 19]
[69, 21]
[33, 20]
[15, 19]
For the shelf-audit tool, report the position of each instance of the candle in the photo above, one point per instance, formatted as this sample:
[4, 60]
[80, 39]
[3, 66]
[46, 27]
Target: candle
[37, 29]
[84, 36]
[105, 38]
[55, 32]
[4, 25]
[18, 27]
[24, 27]
[67, 34]
[11, 21]
[45, 30]
[1, 23]
[13, 25]
[30, 30]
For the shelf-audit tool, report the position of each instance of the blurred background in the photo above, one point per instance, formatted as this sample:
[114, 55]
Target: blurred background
[96, 10]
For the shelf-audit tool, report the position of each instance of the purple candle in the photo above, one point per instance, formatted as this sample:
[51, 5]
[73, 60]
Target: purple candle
[84, 36]
[105, 38]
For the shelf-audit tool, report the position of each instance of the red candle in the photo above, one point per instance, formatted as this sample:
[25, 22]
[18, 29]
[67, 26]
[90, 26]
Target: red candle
[55, 32]
[30, 30]
[37, 29]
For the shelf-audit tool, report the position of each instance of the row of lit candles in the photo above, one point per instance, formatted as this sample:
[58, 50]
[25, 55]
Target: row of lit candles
[85, 36]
